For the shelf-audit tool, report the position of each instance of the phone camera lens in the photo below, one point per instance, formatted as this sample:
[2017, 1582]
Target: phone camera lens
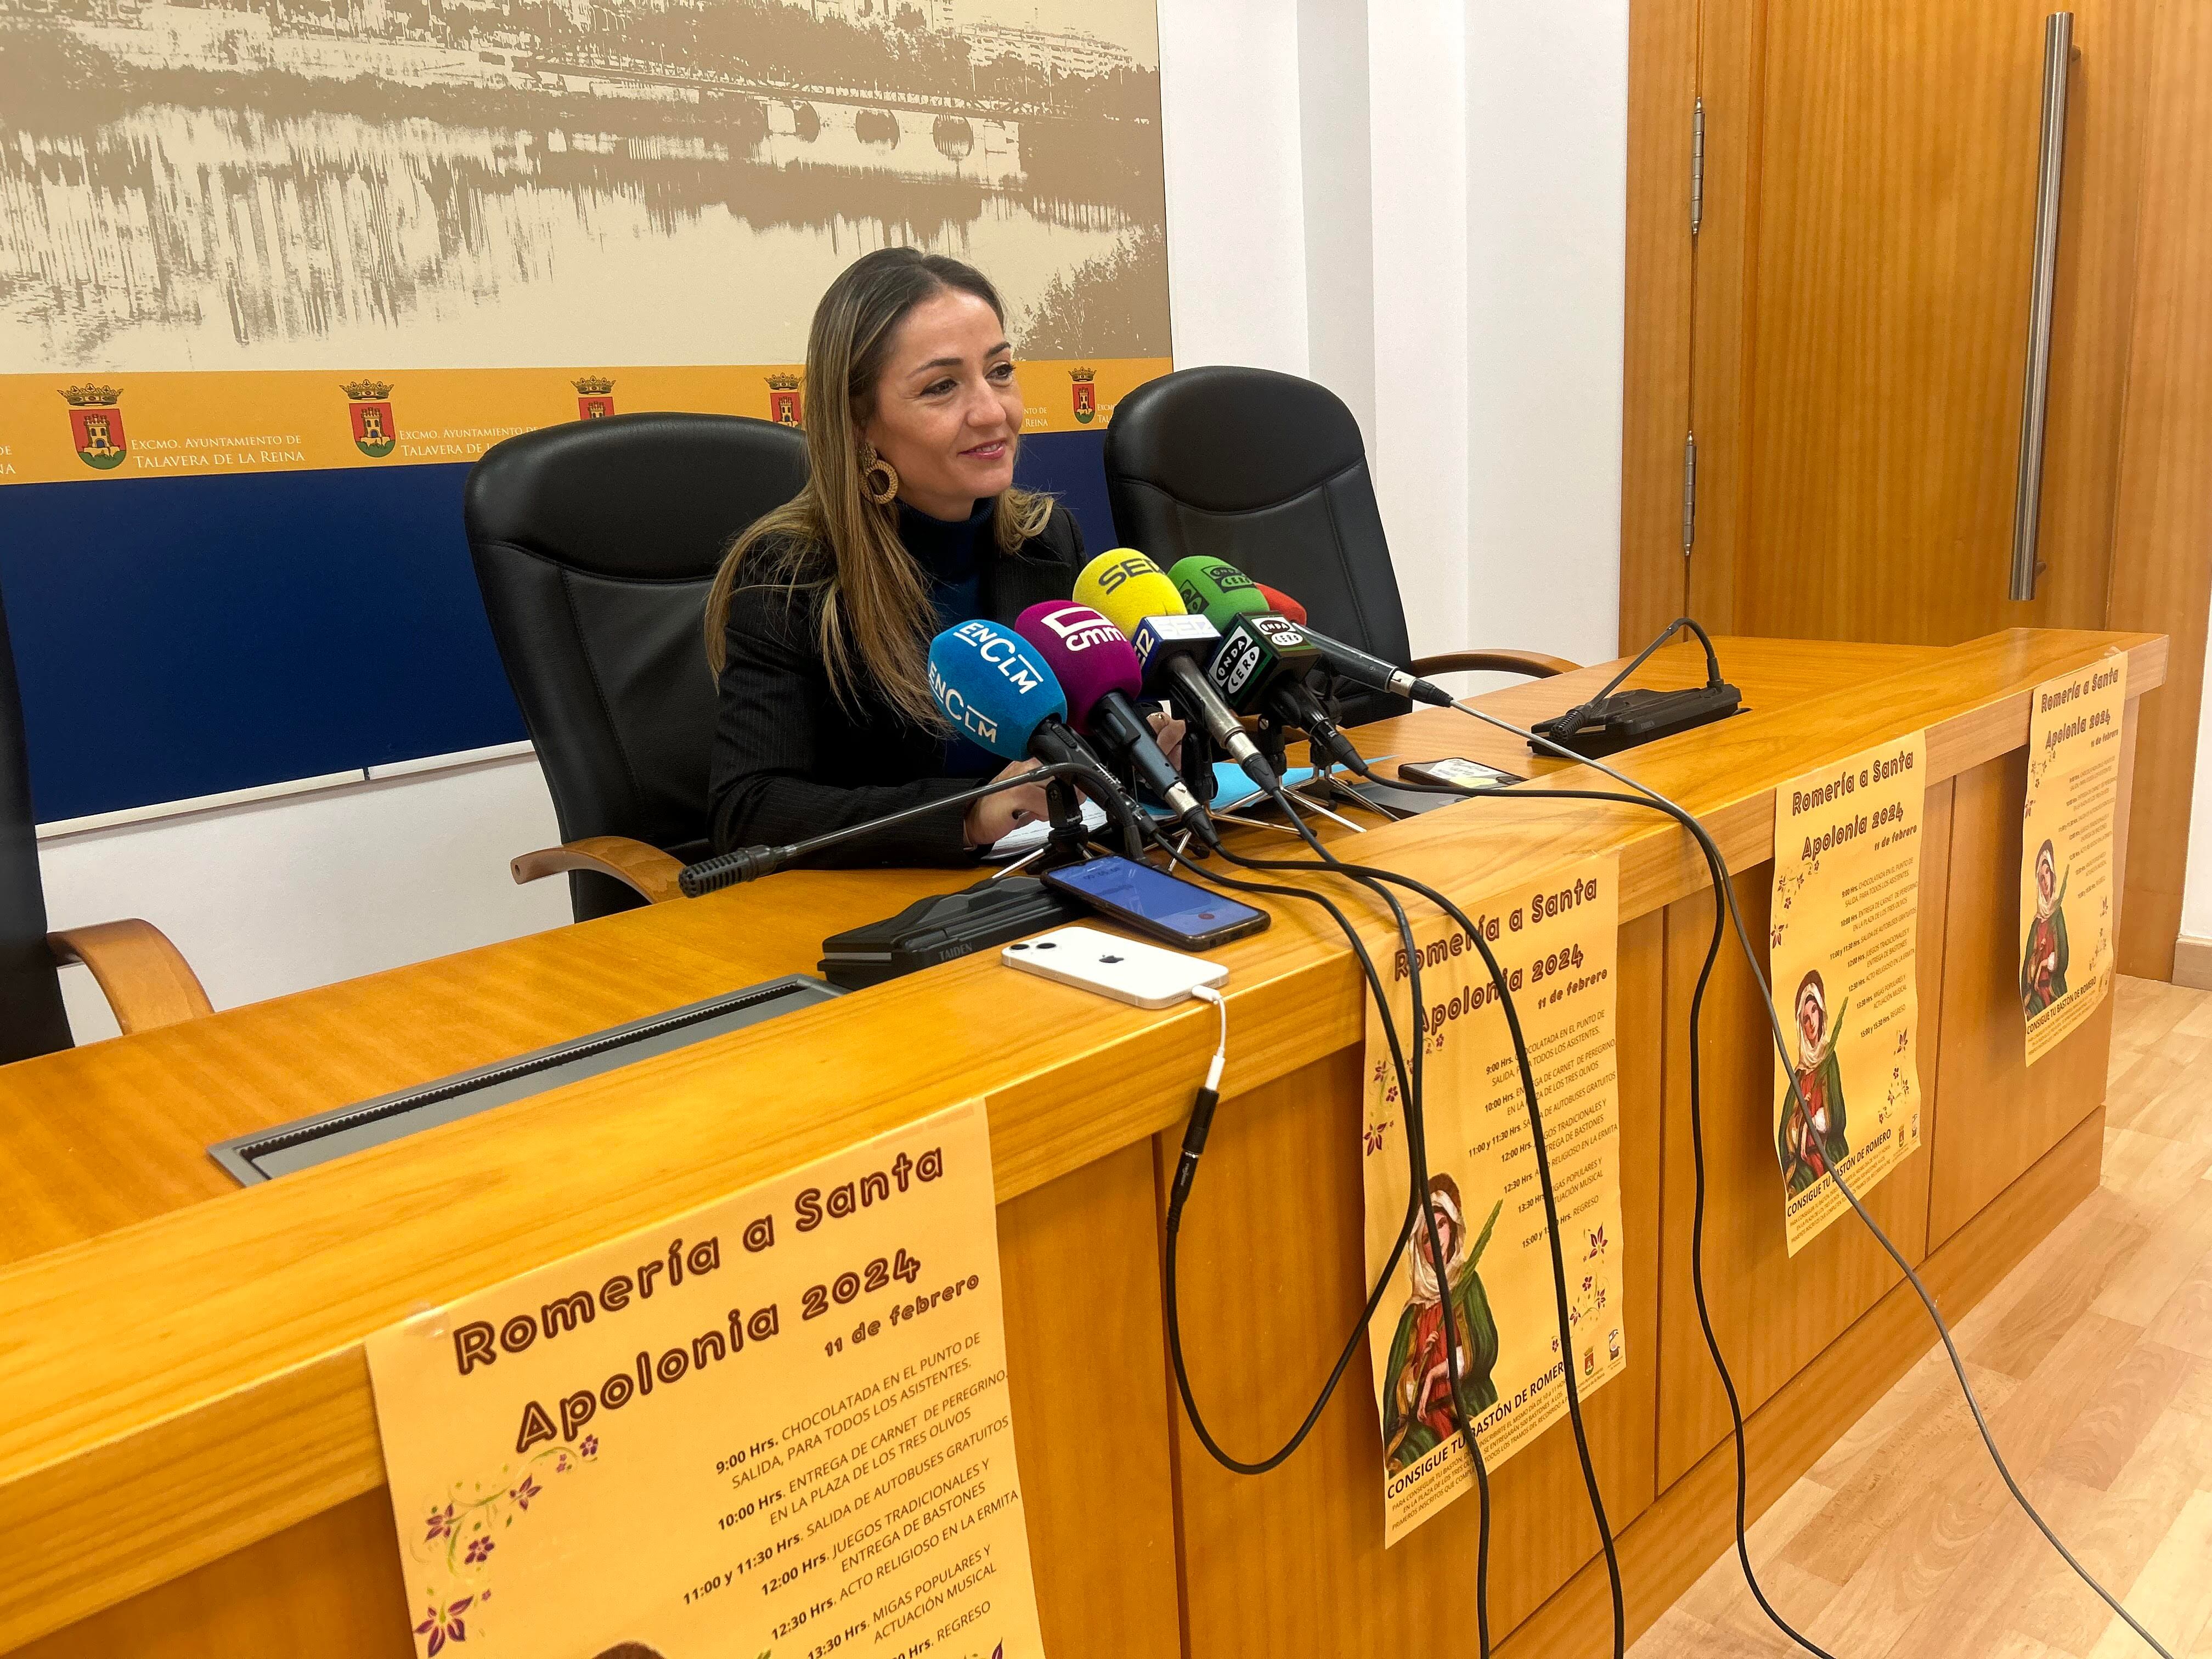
[1018, 947]
[1046, 944]
[1110, 958]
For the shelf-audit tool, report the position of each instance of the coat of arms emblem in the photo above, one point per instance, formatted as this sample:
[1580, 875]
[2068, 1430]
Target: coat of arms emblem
[369, 403]
[593, 399]
[1086, 393]
[783, 407]
[96, 425]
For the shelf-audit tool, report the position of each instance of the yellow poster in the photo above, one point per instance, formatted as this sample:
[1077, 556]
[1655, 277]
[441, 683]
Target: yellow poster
[2074, 729]
[774, 1428]
[1845, 969]
[1556, 941]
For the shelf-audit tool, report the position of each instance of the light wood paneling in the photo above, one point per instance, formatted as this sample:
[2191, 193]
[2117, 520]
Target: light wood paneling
[1884, 336]
[1081, 1276]
[329, 1587]
[1086, 1362]
[1662, 72]
[1692, 1521]
[1272, 1280]
[1773, 1312]
[1731, 78]
[1997, 1113]
[2163, 525]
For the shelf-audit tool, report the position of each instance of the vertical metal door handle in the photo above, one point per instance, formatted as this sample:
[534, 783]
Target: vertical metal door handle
[2050, 179]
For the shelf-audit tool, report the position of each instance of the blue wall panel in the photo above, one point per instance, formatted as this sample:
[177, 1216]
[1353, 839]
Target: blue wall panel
[179, 637]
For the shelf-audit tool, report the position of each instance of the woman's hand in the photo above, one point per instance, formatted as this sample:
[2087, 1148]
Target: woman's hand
[993, 816]
[1167, 731]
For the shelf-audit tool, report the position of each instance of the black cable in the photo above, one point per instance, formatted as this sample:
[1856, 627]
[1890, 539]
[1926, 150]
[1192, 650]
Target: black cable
[1417, 1156]
[1724, 886]
[1543, 1179]
[1410, 1092]
[1175, 1201]
[1698, 1167]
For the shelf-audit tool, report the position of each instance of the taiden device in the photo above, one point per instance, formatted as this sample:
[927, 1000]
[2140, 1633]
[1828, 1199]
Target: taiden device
[1125, 970]
[1157, 905]
[1460, 774]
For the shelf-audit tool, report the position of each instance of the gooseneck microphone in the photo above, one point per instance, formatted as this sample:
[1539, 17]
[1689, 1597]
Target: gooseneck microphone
[1101, 678]
[1173, 648]
[1348, 661]
[1264, 657]
[741, 864]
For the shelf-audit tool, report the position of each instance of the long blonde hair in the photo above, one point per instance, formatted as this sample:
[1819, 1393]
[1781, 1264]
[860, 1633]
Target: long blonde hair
[875, 616]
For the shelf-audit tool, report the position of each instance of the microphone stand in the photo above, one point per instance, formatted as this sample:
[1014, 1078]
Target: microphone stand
[749, 863]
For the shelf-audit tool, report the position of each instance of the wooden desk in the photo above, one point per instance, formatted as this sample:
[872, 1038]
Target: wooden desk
[188, 1454]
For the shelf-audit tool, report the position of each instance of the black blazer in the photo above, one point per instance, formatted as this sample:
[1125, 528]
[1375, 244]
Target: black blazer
[791, 761]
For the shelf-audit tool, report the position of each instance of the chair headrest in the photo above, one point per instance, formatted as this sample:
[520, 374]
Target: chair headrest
[650, 496]
[1228, 440]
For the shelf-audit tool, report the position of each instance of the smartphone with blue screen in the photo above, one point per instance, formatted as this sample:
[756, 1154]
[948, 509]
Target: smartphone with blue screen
[1161, 906]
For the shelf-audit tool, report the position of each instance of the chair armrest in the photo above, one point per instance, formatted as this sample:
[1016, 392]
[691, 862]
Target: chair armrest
[1535, 664]
[645, 870]
[146, 979]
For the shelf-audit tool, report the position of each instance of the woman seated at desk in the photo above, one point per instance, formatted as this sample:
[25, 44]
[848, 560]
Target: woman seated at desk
[819, 621]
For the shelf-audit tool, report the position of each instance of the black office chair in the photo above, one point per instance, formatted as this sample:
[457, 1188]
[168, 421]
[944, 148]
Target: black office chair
[147, 982]
[1269, 472]
[595, 543]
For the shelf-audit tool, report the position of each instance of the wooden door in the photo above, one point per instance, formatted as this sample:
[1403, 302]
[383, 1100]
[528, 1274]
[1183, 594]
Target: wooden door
[1845, 335]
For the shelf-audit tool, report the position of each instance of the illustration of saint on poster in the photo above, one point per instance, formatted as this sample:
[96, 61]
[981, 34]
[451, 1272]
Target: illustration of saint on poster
[775, 1427]
[1556, 941]
[2074, 726]
[1845, 970]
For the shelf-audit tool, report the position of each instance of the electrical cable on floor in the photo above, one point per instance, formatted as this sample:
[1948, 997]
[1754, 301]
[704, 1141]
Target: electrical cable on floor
[1724, 887]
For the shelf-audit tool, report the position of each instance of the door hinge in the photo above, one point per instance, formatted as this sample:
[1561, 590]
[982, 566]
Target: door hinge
[1689, 492]
[1697, 167]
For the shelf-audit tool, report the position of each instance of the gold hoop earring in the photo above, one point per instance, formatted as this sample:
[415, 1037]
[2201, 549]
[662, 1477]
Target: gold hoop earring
[879, 479]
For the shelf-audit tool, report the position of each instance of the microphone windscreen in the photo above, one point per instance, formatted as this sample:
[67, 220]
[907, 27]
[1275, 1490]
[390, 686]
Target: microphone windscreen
[1085, 651]
[1217, 591]
[1283, 603]
[992, 688]
[1125, 587]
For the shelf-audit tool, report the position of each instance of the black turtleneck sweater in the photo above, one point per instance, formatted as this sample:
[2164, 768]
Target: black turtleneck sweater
[791, 761]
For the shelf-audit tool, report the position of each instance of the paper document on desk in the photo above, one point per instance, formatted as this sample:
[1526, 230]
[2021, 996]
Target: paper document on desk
[779, 1423]
[1557, 939]
[1844, 936]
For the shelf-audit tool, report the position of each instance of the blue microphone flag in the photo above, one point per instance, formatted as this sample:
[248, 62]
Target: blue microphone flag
[992, 687]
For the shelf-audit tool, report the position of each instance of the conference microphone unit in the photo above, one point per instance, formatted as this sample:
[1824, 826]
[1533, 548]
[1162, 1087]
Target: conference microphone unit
[1264, 657]
[1346, 662]
[1101, 678]
[1173, 648]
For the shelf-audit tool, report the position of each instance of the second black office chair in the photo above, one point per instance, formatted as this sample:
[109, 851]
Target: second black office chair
[595, 543]
[1268, 471]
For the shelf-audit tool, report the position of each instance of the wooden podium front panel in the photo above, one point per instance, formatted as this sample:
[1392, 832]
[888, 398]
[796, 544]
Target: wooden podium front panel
[1291, 1562]
[2004, 1114]
[1079, 1262]
[1773, 1312]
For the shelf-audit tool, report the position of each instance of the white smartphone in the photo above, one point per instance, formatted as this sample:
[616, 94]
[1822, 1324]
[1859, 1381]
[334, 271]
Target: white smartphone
[1125, 970]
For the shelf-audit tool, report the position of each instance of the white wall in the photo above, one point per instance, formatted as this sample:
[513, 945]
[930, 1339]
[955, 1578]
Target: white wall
[1228, 79]
[1548, 251]
[1442, 242]
[275, 896]
[1420, 202]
